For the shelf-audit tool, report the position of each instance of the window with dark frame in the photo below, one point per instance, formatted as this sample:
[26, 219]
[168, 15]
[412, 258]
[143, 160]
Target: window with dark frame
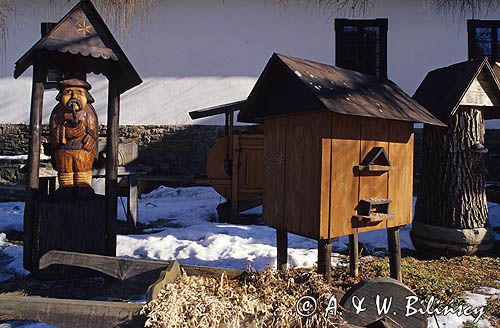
[361, 45]
[484, 39]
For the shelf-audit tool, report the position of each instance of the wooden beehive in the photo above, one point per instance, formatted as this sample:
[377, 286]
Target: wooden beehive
[338, 148]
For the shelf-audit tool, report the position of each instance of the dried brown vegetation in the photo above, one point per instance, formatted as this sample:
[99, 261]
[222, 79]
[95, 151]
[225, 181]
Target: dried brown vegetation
[268, 298]
[260, 299]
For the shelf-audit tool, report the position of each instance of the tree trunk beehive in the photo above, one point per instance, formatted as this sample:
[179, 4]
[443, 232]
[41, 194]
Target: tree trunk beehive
[451, 213]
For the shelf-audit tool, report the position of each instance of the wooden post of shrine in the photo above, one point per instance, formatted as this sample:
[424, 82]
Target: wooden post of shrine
[112, 135]
[32, 179]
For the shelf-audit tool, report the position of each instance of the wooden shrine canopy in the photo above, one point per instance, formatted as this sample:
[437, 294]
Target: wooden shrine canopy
[292, 85]
[444, 89]
[78, 44]
[81, 40]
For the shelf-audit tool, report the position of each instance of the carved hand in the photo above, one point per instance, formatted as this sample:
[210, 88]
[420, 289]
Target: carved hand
[88, 143]
[76, 132]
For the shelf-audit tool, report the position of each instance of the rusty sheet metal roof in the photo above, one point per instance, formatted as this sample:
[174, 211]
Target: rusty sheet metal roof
[82, 32]
[442, 89]
[293, 85]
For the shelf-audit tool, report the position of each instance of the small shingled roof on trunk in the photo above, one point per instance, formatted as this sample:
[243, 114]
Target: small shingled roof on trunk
[442, 89]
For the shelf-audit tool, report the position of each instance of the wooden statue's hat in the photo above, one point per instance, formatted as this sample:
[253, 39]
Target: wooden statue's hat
[81, 39]
[73, 83]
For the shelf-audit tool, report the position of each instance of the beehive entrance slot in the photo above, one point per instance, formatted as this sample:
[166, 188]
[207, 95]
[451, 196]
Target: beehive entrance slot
[373, 210]
[375, 161]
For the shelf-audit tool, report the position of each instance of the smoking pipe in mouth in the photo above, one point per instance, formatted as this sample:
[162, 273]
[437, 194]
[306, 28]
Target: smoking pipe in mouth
[72, 105]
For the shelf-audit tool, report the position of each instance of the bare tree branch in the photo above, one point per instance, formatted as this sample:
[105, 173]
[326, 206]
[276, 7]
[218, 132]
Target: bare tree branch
[463, 9]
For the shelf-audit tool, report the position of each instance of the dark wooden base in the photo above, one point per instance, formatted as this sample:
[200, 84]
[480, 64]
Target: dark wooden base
[69, 224]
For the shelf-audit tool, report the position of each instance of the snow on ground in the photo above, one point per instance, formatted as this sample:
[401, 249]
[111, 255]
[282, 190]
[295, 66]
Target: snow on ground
[190, 236]
[478, 298]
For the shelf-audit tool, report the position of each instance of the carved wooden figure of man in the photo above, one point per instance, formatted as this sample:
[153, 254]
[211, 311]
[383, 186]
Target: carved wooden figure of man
[73, 133]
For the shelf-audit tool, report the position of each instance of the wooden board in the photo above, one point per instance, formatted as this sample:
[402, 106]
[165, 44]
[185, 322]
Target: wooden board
[250, 151]
[345, 185]
[123, 269]
[73, 313]
[385, 288]
[400, 154]
[71, 225]
[303, 171]
[374, 133]
[326, 181]
[167, 276]
[274, 171]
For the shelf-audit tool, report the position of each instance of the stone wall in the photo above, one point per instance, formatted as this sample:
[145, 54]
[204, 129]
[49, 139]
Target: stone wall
[182, 149]
[166, 150]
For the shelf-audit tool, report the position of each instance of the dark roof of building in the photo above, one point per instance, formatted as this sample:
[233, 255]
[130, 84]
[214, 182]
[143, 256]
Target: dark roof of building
[293, 85]
[82, 33]
[443, 89]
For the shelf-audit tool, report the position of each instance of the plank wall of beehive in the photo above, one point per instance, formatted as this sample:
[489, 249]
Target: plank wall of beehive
[374, 133]
[274, 171]
[303, 171]
[346, 134]
[326, 180]
[400, 154]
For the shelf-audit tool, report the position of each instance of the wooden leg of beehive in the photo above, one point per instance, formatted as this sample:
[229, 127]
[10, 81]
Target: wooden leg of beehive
[282, 247]
[394, 253]
[353, 255]
[325, 259]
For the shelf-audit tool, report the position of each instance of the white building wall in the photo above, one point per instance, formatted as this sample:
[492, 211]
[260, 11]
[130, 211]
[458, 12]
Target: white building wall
[194, 54]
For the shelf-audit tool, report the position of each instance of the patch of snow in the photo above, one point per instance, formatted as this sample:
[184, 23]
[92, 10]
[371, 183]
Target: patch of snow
[25, 324]
[453, 321]
[11, 216]
[22, 157]
[476, 300]
[494, 293]
[11, 258]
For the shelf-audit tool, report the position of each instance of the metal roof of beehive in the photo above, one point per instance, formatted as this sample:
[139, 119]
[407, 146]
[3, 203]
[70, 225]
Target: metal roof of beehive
[442, 89]
[82, 32]
[293, 85]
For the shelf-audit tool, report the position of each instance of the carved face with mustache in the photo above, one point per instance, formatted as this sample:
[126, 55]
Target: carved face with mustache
[74, 98]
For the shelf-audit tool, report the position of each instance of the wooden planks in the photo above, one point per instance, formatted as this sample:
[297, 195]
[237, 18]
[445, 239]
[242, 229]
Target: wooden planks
[303, 170]
[326, 181]
[274, 171]
[70, 225]
[401, 175]
[345, 185]
[374, 133]
[73, 313]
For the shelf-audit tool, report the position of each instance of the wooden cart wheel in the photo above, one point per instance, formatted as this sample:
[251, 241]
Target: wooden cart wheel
[385, 288]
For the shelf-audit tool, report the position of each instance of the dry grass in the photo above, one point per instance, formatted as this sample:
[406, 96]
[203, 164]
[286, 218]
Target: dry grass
[446, 279]
[260, 299]
[267, 299]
